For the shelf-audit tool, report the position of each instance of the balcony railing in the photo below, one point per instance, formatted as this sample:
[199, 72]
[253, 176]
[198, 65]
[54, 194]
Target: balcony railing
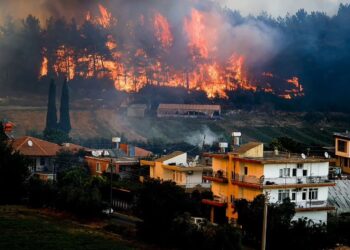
[313, 205]
[255, 182]
[218, 176]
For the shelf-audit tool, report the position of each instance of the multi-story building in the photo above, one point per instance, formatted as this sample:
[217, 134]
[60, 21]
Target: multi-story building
[342, 151]
[248, 171]
[175, 167]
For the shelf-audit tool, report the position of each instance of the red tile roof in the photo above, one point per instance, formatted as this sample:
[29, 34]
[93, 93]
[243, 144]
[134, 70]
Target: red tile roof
[30, 146]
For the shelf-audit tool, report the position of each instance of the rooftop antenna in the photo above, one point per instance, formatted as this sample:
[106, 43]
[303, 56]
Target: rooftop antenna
[326, 155]
[303, 156]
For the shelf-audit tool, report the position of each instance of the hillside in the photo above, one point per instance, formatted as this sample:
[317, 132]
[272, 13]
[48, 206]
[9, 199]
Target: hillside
[314, 128]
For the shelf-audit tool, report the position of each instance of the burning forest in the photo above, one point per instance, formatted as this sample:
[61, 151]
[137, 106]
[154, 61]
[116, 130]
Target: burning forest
[202, 49]
[199, 50]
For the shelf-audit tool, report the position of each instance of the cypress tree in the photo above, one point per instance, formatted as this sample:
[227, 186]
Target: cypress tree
[51, 116]
[64, 109]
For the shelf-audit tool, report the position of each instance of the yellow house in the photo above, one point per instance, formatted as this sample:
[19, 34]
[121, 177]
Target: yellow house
[249, 171]
[342, 151]
[175, 167]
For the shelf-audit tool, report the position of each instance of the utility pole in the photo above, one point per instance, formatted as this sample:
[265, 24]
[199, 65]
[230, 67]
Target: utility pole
[263, 238]
[111, 190]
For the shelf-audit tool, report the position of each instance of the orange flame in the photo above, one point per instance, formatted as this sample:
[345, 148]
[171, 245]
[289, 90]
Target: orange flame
[162, 30]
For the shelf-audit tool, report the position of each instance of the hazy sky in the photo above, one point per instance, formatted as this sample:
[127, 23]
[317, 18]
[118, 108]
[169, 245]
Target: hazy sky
[282, 7]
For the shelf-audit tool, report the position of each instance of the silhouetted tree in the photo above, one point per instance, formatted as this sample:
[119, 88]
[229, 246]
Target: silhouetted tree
[64, 124]
[13, 174]
[51, 116]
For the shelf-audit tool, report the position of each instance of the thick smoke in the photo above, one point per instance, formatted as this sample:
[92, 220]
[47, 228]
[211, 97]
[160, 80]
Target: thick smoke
[203, 137]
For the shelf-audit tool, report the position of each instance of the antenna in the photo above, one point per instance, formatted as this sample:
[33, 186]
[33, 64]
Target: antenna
[326, 155]
[303, 156]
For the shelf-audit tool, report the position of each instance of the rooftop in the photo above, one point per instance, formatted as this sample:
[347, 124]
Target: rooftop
[169, 156]
[245, 147]
[345, 135]
[31, 146]
[189, 106]
[271, 158]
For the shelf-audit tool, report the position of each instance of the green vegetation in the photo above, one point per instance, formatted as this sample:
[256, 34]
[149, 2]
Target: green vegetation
[13, 173]
[51, 117]
[64, 123]
[26, 229]
[166, 212]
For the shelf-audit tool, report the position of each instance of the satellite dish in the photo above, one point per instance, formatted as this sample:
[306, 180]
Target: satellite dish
[303, 156]
[30, 143]
[326, 155]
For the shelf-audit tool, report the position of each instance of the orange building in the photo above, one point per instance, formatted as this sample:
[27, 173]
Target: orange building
[342, 151]
[177, 168]
[248, 171]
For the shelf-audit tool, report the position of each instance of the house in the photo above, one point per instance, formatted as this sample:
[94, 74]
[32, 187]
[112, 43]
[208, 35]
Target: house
[136, 110]
[248, 171]
[133, 151]
[125, 167]
[41, 155]
[188, 110]
[176, 167]
[125, 161]
[342, 151]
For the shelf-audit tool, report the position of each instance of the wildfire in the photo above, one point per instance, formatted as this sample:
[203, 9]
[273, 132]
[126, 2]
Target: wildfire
[162, 30]
[131, 69]
[195, 30]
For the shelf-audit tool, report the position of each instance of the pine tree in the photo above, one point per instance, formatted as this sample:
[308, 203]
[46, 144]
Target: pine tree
[51, 117]
[64, 124]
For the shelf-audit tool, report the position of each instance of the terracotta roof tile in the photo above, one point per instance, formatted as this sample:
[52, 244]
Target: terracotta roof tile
[31, 146]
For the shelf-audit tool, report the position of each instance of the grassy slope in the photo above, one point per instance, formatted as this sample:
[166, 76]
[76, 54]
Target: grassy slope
[24, 229]
[254, 125]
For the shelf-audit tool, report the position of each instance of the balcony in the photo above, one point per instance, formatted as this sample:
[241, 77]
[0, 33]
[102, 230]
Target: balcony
[312, 205]
[218, 176]
[282, 182]
[216, 202]
[298, 182]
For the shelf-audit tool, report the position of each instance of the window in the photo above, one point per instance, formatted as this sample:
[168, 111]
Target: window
[294, 195]
[245, 170]
[232, 198]
[98, 167]
[42, 161]
[304, 172]
[294, 173]
[282, 195]
[313, 194]
[341, 146]
[284, 172]
[304, 194]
